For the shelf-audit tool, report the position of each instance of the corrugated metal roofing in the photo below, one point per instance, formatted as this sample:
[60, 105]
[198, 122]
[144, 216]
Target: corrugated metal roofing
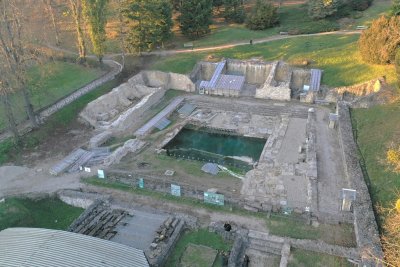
[163, 114]
[315, 83]
[187, 109]
[162, 124]
[34, 247]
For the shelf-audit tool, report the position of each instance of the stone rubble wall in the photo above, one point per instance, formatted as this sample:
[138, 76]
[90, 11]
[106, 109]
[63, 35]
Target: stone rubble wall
[271, 89]
[366, 229]
[311, 160]
[79, 199]
[130, 146]
[168, 80]
[255, 71]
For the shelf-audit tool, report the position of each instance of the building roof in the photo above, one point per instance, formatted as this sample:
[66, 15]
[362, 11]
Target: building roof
[31, 247]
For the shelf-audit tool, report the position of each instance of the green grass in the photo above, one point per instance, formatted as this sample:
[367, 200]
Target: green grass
[377, 9]
[59, 121]
[49, 213]
[295, 20]
[375, 129]
[50, 82]
[200, 237]
[337, 55]
[305, 258]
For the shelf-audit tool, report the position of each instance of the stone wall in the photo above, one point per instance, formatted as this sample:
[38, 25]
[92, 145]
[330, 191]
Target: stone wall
[366, 229]
[272, 89]
[48, 111]
[168, 80]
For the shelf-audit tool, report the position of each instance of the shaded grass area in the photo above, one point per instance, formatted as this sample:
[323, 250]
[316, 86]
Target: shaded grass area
[337, 55]
[375, 129]
[278, 224]
[49, 213]
[48, 83]
[59, 121]
[305, 258]
[200, 237]
[377, 9]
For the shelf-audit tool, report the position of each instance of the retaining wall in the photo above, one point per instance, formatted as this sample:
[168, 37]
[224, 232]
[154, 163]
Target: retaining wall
[366, 228]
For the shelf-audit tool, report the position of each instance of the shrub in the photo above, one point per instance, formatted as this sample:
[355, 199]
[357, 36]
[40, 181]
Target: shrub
[319, 9]
[264, 15]
[378, 44]
[360, 5]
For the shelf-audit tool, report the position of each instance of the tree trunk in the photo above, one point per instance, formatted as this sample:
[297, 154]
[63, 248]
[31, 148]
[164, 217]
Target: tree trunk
[77, 15]
[50, 10]
[10, 117]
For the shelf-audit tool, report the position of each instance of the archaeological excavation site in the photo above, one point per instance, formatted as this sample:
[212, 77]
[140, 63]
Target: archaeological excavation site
[255, 136]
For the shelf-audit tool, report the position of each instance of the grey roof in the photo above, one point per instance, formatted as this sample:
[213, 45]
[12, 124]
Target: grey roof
[214, 79]
[315, 83]
[162, 124]
[163, 114]
[34, 247]
[210, 168]
[333, 116]
[186, 109]
[230, 82]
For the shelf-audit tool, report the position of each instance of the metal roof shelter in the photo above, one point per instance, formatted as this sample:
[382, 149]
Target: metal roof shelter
[230, 82]
[34, 247]
[210, 168]
[162, 124]
[315, 83]
[162, 115]
[210, 85]
[186, 109]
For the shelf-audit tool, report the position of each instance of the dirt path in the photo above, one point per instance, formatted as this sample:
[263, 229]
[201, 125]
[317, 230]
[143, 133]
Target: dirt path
[15, 180]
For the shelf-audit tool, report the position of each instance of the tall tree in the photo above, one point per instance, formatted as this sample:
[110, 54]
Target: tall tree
[234, 11]
[319, 9]
[196, 17]
[75, 7]
[48, 6]
[15, 53]
[95, 14]
[264, 15]
[150, 23]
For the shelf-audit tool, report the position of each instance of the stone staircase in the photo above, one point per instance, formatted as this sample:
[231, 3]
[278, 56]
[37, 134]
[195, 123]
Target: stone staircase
[265, 243]
[266, 250]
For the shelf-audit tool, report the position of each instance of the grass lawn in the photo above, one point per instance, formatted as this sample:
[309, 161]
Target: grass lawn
[305, 258]
[377, 9]
[337, 55]
[375, 128]
[60, 120]
[50, 82]
[49, 213]
[200, 237]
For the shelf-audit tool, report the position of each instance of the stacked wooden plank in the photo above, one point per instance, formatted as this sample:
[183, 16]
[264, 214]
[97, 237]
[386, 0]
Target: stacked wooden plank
[100, 222]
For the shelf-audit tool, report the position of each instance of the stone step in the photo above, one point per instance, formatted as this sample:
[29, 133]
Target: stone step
[265, 250]
[265, 243]
[265, 236]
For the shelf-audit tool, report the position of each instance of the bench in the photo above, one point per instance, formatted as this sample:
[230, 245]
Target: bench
[362, 27]
[188, 45]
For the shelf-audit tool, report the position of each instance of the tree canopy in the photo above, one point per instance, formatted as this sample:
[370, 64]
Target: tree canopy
[378, 44]
[196, 17]
[234, 11]
[264, 15]
[319, 9]
[150, 23]
[95, 14]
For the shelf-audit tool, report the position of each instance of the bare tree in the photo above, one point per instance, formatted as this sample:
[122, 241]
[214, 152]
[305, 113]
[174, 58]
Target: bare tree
[5, 92]
[76, 11]
[13, 51]
[48, 5]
